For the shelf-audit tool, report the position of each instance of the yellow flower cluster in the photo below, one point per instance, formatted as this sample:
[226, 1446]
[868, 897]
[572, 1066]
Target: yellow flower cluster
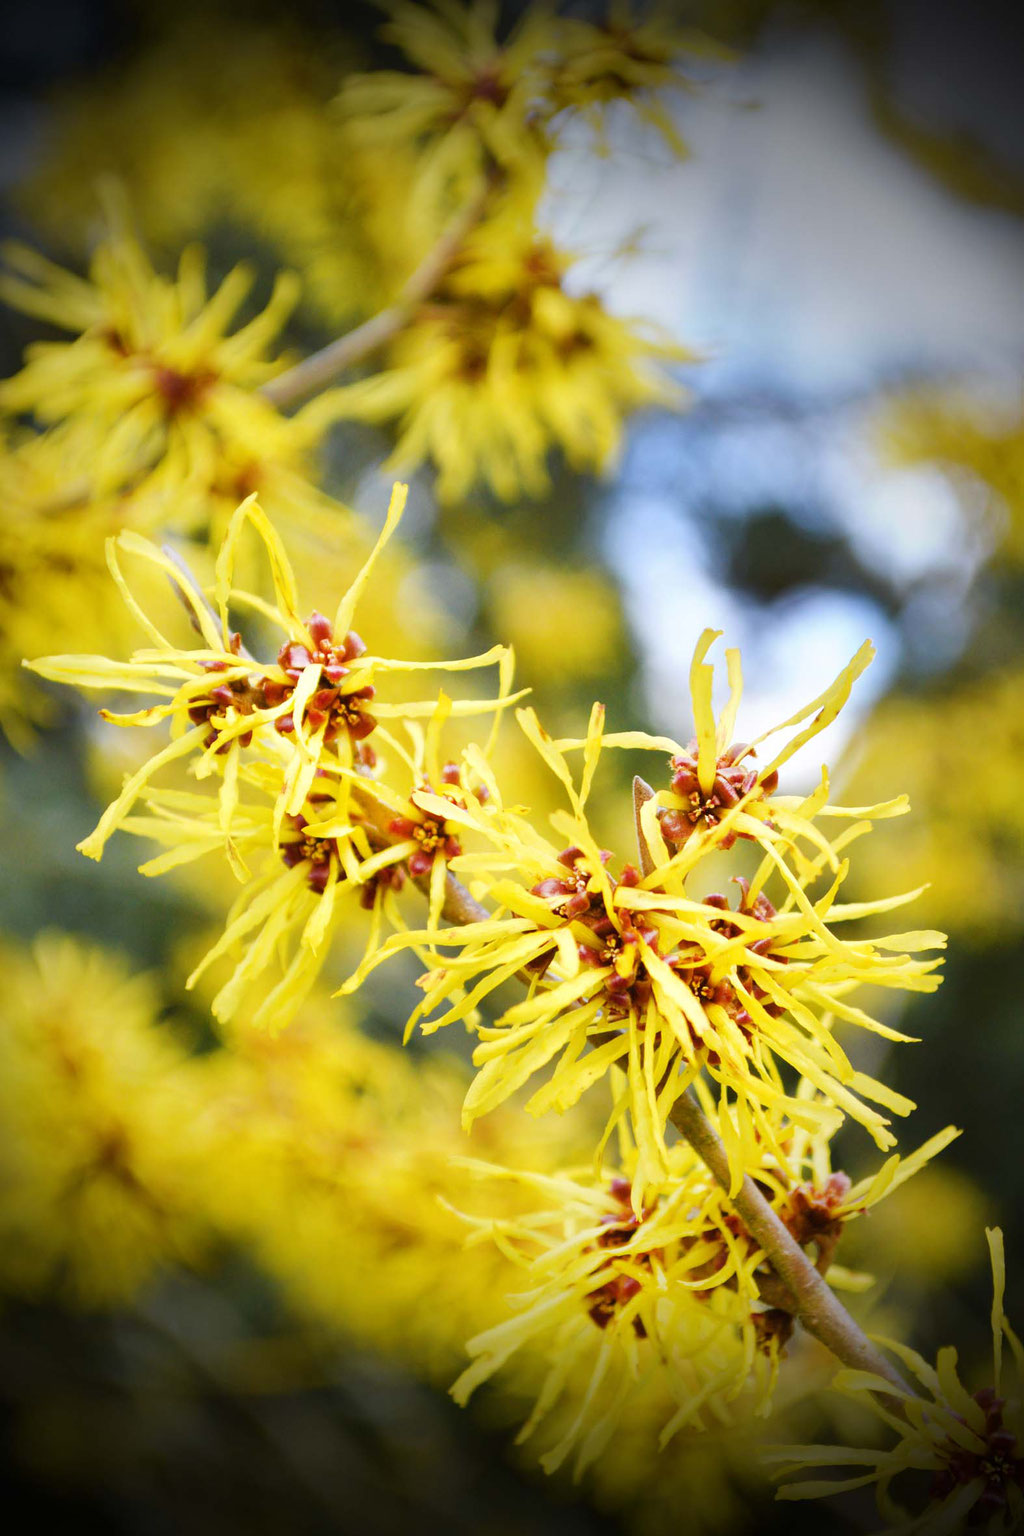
[326, 799]
[672, 1301]
[477, 104]
[662, 985]
[501, 365]
[624, 960]
[156, 397]
[291, 755]
[614, 1296]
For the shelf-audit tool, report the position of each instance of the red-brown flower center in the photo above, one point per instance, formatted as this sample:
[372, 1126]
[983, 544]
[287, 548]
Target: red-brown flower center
[732, 782]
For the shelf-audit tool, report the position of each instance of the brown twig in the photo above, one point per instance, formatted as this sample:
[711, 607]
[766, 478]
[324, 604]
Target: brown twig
[322, 368]
[817, 1307]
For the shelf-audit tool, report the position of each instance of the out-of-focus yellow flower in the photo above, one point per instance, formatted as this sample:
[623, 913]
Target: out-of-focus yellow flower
[663, 986]
[197, 154]
[55, 581]
[97, 1173]
[564, 624]
[707, 1480]
[969, 1442]
[333, 1158]
[975, 884]
[976, 444]
[502, 367]
[479, 105]
[927, 1234]
[625, 57]
[474, 104]
[156, 396]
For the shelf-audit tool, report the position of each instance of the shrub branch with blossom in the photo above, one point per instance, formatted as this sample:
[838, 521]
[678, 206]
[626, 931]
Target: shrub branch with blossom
[709, 1222]
[673, 1263]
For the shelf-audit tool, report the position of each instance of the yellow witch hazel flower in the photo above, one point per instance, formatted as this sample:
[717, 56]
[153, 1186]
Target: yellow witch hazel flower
[156, 391]
[674, 1289]
[503, 366]
[815, 1201]
[307, 880]
[634, 54]
[971, 1443]
[285, 745]
[474, 104]
[479, 105]
[664, 986]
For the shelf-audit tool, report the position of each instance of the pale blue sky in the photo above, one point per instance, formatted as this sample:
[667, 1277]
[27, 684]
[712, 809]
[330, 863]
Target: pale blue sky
[811, 261]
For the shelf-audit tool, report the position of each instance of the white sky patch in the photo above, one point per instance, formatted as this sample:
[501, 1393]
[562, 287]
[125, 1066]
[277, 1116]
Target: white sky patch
[795, 654]
[813, 261]
[796, 244]
[670, 598]
[790, 655]
[909, 523]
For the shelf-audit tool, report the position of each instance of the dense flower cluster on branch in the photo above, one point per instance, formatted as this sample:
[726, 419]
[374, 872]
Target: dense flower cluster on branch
[326, 799]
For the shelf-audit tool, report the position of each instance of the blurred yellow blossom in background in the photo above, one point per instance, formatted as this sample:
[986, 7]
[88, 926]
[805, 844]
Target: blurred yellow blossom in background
[98, 1169]
[564, 624]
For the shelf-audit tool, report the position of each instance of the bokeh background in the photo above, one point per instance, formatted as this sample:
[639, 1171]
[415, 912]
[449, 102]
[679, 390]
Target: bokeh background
[844, 248]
